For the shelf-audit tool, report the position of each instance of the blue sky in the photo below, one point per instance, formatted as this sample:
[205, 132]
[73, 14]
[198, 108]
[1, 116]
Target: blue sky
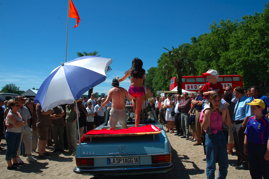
[33, 33]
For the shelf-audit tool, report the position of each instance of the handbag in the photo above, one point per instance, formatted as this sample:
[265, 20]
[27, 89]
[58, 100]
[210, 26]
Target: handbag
[192, 119]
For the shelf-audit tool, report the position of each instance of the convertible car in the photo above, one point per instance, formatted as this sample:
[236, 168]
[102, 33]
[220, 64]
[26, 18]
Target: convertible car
[141, 152]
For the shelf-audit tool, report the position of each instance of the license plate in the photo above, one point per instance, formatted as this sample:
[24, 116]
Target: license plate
[123, 160]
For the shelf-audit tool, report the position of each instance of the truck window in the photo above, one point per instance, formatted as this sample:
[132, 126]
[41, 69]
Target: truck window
[227, 78]
[236, 79]
[200, 80]
[191, 80]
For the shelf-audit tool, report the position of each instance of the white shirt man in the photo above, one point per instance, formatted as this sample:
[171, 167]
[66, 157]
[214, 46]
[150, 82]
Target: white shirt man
[92, 100]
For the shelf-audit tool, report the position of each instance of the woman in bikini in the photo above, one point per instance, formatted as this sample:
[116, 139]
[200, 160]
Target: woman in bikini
[136, 75]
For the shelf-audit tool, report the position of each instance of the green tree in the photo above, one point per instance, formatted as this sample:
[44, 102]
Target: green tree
[149, 79]
[160, 80]
[179, 63]
[249, 49]
[11, 88]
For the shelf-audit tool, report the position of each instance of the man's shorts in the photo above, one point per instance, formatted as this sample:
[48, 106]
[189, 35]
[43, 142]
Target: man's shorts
[43, 132]
[207, 105]
[117, 115]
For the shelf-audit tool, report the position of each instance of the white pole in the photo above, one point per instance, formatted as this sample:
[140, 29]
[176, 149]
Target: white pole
[66, 41]
[78, 122]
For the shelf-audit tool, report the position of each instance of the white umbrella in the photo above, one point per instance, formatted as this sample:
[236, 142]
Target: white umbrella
[68, 82]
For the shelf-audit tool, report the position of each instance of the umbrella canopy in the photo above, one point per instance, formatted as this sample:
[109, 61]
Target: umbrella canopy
[69, 81]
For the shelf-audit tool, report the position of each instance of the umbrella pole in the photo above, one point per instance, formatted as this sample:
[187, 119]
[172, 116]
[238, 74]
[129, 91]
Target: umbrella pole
[78, 123]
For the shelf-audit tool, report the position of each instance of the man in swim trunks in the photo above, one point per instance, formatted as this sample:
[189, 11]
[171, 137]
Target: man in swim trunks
[117, 112]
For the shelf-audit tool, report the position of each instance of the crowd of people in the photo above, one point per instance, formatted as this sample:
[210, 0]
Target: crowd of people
[28, 129]
[224, 121]
[220, 120]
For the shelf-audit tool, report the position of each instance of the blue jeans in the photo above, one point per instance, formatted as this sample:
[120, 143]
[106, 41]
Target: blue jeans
[258, 166]
[13, 142]
[216, 151]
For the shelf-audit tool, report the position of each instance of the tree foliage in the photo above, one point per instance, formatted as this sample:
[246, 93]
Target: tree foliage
[11, 88]
[231, 47]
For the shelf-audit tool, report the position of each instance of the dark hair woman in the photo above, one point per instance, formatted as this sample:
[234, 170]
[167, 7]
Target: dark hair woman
[136, 75]
[13, 134]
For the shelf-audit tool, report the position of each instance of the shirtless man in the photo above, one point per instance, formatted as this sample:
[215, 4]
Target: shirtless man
[117, 112]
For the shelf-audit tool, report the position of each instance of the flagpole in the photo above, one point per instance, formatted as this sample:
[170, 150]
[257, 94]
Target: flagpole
[66, 40]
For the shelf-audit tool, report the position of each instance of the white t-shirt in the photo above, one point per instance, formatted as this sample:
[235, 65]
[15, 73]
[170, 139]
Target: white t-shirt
[176, 107]
[89, 118]
[156, 104]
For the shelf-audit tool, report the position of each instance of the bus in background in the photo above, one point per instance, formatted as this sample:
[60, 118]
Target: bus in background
[191, 83]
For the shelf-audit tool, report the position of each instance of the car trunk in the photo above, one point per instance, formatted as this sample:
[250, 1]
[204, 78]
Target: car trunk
[126, 145]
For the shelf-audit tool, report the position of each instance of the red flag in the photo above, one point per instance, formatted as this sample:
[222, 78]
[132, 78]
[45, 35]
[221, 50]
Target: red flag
[73, 13]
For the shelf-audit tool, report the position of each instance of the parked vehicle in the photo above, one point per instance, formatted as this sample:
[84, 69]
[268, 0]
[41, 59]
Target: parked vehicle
[126, 155]
[8, 96]
[191, 83]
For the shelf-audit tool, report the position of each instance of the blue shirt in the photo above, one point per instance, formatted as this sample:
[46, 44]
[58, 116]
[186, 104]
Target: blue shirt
[257, 130]
[102, 112]
[199, 98]
[266, 101]
[241, 109]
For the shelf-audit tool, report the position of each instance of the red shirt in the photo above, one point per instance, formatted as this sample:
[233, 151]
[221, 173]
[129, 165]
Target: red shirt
[212, 87]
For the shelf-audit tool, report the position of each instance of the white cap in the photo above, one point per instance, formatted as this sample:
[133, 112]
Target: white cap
[211, 72]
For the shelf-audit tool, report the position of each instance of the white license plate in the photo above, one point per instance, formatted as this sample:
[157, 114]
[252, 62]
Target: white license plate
[123, 160]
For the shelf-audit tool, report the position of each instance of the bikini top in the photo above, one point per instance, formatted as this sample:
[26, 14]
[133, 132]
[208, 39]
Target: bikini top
[132, 76]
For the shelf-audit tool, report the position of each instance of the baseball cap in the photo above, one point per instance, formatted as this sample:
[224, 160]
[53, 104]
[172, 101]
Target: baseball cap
[211, 72]
[257, 102]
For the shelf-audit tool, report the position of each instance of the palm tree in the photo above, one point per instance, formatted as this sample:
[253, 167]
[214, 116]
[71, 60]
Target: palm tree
[94, 53]
[179, 62]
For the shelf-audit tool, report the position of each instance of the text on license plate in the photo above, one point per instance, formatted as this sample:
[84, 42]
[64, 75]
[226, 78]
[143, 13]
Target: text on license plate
[123, 160]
